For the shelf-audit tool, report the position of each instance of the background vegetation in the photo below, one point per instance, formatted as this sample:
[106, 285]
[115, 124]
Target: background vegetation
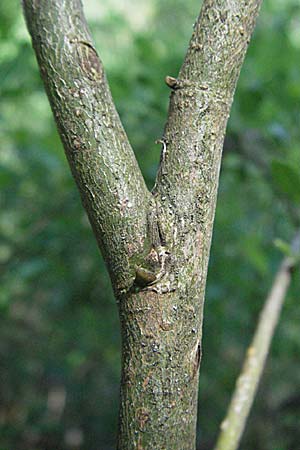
[59, 331]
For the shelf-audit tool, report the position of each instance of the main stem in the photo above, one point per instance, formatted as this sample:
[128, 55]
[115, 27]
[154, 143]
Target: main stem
[160, 362]
[156, 245]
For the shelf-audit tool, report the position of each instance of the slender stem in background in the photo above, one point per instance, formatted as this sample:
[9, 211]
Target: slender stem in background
[233, 425]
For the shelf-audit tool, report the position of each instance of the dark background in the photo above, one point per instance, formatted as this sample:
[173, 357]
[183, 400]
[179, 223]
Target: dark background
[59, 330]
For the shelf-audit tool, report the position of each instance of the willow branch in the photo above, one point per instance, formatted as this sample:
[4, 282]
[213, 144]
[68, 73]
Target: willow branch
[101, 159]
[233, 425]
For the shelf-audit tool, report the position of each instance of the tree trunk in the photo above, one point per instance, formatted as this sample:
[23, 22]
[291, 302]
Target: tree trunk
[156, 245]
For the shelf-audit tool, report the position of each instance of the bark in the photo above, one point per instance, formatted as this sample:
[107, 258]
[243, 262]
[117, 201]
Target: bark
[101, 159]
[156, 245]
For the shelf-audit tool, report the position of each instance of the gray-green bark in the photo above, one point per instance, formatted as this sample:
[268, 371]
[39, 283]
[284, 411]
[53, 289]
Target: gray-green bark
[156, 245]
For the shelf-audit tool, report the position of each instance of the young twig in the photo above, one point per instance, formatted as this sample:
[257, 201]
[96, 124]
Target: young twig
[233, 425]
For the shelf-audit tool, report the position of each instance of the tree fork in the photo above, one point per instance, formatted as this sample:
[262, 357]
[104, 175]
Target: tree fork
[156, 245]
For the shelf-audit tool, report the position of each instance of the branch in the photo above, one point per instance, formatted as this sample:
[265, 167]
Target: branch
[102, 162]
[201, 97]
[233, 425]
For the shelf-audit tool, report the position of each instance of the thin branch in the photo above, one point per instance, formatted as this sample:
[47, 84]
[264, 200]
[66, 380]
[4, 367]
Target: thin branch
[233, 425]
[201, 97]
[101, 159]
[202, 93]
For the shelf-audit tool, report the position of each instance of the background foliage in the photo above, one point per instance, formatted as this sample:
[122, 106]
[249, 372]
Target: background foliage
[59, 335]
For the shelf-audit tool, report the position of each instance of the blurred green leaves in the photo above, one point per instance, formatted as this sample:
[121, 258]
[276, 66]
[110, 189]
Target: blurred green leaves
[58, 320]
[287, 179]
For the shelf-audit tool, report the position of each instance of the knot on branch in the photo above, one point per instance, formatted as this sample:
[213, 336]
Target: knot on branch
[154, 268]
[177, 83]
[144, 277]
[88, 59]
[172, 82]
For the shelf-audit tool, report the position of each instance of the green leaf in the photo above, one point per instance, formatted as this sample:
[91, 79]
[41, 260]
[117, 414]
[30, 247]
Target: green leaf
[288, 250]
[283, 246]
